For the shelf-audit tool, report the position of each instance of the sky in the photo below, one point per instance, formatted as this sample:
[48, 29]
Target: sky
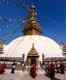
[51, 13]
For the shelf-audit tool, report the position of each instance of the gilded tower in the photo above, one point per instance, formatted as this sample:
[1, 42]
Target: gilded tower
[32, 27]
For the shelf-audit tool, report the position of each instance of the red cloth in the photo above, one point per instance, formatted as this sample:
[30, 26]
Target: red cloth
[33, 71]
[2, 68]
[51, 67]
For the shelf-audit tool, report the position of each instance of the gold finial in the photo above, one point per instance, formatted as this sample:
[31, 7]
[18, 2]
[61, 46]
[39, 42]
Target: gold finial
[32, 26]
[32, 14]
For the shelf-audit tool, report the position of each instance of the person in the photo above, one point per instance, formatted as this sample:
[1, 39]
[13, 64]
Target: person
[61, 68]
[46, 69]
[58, 68]
[33, 71]
[13, 68]
[2, 68]
[51, 71]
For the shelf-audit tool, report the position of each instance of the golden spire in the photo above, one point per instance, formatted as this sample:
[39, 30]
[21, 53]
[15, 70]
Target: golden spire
[32, 27]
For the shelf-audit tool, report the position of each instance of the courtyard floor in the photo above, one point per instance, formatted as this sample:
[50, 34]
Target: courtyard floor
[20, 75]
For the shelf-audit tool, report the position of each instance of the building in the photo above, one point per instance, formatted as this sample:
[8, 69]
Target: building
[1, 47]
[64, 50]
[32, 44]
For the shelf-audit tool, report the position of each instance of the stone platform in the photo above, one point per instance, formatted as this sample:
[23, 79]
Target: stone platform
[20, 75]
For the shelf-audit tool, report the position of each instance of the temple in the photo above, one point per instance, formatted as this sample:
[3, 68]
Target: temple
[32, 47]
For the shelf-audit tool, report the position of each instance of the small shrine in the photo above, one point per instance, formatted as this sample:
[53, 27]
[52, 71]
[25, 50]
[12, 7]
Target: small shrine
[33, 56]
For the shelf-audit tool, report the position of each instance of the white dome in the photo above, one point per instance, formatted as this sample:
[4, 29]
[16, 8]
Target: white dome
[42, 45]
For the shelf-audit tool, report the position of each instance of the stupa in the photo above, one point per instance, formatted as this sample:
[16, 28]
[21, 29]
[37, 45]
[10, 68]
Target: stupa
[33, 44]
